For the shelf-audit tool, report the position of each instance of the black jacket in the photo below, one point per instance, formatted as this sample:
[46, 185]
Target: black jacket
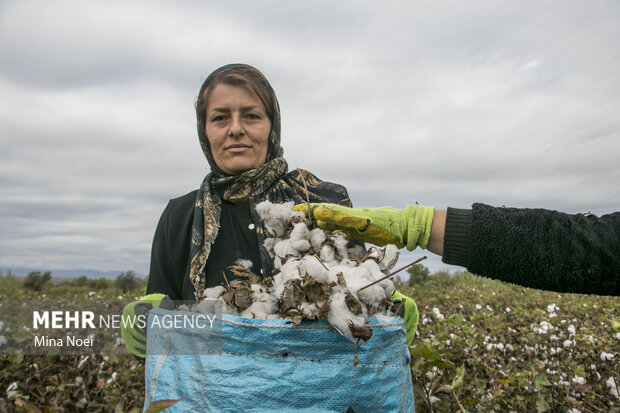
[537, 248]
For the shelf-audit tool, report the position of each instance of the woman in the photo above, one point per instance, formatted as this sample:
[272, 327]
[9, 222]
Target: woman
[201, 234]
[204, 232]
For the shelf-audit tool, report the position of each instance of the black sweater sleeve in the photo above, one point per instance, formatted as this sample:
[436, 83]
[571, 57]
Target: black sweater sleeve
[171, 250]
[537, 248]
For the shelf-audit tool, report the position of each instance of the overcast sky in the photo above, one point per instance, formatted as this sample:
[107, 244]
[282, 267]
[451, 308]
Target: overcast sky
[444, 103]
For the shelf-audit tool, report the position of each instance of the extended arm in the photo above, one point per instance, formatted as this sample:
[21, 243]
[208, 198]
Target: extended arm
[531, 247]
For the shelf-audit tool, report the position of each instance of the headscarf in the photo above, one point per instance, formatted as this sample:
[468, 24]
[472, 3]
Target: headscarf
[270, 181]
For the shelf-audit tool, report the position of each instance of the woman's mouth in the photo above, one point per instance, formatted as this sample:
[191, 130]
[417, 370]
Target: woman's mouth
[237, 147]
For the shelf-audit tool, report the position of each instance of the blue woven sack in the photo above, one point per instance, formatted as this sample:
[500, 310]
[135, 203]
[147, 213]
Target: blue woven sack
[272, 365]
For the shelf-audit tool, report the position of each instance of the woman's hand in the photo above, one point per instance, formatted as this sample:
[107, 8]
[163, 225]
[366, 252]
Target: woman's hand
[133, 328]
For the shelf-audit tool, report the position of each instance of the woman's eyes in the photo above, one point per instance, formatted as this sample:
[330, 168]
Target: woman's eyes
[221, 118]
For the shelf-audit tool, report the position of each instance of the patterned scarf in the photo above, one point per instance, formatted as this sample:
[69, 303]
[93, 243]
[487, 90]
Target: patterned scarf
[270, 181]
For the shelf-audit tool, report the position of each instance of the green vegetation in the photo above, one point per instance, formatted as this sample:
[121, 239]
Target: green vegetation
[35, 280]
[481, 345]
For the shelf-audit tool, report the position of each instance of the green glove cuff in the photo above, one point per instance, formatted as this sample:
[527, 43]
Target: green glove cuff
[419, 220]
[133, 332]
[411, 314]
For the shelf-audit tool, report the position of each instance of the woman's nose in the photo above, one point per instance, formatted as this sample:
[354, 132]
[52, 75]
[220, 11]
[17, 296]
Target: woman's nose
[236, 128]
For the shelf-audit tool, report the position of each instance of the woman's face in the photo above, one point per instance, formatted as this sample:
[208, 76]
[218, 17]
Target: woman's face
[237, 127]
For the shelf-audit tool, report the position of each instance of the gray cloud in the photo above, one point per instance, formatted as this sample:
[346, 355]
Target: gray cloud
[445, 104]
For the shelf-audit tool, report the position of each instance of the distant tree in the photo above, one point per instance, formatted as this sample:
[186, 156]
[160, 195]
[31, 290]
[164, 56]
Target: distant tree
[126, 281]
[101, 284]
[35, 280]
[418, 274]
[81, 281]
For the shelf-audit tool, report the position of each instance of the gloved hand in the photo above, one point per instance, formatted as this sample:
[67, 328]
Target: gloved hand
[408, 312]
[133, 334]
[409, 227]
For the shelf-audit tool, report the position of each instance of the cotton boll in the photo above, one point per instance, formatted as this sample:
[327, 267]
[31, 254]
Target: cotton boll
[327, 254]
[277, 216]
[339, 316]
[288, 271]
[259, 310]
[285, 247]
[311, 266]
[277, 263]
[357, 252]
[390, 257]
[388, 287]
[340, 244]
[355, 277]
[213, 293]
[269, 243]
[300, 245]
[317, 238]
[278, 285]
[372, 296]
[244, 263]
[261, 294]
[374, 270]
[309, 310]
[299, 238]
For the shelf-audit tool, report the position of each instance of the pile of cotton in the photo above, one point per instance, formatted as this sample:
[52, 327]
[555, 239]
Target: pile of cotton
[317, 277]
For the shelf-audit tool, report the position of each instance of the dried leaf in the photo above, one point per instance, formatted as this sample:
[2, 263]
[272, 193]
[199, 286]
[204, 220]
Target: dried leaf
[323, 310]
[241, 271]
[314, 290]
[242, 297]
[341, 280]
[159, 405]
[363, 333]
[353, 303]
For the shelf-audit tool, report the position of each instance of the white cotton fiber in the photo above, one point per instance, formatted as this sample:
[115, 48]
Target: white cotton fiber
[339, 316]
[244, 263]
[317, 238]
[312, 266]
[269, 244]
[327, 254]
[340, 244]
[390, 257]
[276, 216]
[309, 310]
[284, 248]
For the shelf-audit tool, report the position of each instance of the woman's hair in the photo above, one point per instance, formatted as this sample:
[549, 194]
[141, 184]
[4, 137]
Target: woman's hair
[235, 75]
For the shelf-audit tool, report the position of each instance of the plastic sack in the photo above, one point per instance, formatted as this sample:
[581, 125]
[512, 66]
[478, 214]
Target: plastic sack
[272, 365]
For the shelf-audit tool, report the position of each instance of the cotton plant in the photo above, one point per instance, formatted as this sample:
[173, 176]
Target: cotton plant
[317, 276]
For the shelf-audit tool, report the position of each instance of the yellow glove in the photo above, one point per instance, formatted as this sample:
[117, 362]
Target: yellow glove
[133, 334]
[409, 227]
[408, 312]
